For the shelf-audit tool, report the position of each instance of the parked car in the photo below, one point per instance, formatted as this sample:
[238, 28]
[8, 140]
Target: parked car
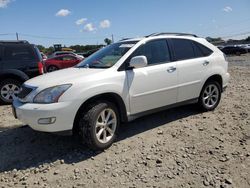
[61, 62]
[122, 82]
[88, 53]
[233, 50]
[44, 57]
[65, 53]
[19, 61]
[247, 47]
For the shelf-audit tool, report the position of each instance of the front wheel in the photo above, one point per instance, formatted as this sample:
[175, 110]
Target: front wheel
[9, 89]
[52, 68]
[210, 96]
[99, 125]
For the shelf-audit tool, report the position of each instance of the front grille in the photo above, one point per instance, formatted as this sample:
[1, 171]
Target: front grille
[24, 91]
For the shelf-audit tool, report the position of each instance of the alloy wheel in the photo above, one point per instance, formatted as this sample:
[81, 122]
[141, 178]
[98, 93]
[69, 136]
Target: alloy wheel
[9, 91]
[211, 95]
[105, 125]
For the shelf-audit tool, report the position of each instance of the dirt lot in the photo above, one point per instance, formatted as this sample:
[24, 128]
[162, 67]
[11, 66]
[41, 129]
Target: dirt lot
[176, 148]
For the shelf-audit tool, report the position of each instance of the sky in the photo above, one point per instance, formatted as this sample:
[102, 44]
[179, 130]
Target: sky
[71, 22]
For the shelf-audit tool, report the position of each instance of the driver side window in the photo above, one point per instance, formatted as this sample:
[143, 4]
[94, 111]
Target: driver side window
[157, 52]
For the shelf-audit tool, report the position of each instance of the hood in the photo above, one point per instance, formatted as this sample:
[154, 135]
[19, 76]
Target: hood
[65, 76]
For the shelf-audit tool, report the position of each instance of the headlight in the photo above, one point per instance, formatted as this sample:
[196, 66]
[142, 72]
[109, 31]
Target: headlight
[51, 95]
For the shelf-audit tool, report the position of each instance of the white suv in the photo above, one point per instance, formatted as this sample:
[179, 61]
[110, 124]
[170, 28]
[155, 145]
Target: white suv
[121, 82]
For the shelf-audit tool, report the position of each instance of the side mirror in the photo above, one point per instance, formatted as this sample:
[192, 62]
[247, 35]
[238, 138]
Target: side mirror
[138, 62]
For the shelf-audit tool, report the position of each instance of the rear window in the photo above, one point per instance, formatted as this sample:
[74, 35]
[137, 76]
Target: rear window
[201, 50]
[19, 53]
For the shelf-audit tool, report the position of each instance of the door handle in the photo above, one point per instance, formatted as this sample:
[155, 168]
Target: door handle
[171, 69]
[205, 63]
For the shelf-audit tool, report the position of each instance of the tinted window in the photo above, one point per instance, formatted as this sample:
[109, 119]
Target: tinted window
[19, 53]
[67, 58]
[200, 50]
[156, 52]
[58, 58]
[183, 49]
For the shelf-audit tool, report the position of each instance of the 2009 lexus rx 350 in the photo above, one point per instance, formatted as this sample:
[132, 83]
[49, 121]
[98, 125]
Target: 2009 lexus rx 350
[121, 82]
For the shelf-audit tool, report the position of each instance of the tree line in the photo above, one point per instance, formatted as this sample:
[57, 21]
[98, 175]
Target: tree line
[76, 48]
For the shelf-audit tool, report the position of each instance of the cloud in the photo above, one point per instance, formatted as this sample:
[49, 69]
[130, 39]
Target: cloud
[89, 27]
[227, 9]
[105, 24]
[4, 3]
[81, 21]
[63, 13]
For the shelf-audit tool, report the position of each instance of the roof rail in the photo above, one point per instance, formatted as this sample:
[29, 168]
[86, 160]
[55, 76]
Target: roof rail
[125, 39]
[176, 34]
[14, 41]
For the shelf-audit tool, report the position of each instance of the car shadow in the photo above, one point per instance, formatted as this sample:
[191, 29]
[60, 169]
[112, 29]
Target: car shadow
[23, 148]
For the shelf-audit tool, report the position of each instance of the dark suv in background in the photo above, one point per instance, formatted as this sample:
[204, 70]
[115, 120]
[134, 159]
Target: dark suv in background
[19, 61]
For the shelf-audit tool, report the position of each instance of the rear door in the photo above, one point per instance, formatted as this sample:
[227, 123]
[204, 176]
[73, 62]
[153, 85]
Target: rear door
[69, 61]
[21, 57]
[192, 64]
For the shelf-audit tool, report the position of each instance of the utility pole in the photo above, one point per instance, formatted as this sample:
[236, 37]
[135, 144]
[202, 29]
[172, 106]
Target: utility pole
[112, 38]
[17, 36]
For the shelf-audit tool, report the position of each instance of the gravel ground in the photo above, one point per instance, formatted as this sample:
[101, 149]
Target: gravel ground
[180, 147]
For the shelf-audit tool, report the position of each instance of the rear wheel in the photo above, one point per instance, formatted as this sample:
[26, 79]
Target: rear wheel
[52, 68]
[210, 96]
[9, 89]
[99, 125]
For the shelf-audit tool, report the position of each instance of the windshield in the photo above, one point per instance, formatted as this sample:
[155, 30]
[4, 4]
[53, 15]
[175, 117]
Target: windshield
[108, 56]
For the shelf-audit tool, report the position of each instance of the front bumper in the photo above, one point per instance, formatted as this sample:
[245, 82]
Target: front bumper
[30, 113]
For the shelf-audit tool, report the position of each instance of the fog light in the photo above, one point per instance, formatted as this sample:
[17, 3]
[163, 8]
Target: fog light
[49, 120]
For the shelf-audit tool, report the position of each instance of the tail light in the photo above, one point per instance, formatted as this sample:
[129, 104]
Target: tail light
[40, 67]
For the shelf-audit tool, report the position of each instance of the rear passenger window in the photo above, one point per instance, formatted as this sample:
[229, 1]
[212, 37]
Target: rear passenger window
[201, 51]
[183, 49]
[18, 53]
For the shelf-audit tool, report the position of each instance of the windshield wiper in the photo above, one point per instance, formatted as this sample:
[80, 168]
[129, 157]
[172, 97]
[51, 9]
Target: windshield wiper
[99, 67]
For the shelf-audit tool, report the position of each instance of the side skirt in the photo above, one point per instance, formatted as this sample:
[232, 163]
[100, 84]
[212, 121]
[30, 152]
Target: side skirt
[135, 116]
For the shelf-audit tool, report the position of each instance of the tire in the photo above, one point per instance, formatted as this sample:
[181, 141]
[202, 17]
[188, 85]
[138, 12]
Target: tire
[210, 96]
[93, 125]
[9, 89]
[52, 68]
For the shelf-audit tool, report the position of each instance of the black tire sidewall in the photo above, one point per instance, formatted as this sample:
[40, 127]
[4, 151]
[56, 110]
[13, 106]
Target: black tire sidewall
[90, 121]
[201, 103]
[56, 68]
[3, 83]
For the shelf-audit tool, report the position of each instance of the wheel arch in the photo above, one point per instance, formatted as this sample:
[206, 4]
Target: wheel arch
[216, 77]
[110, 97]
[14, 74]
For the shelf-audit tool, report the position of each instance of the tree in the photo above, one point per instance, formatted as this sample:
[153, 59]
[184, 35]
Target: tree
[107, 41]
[248, 39]
[41, 48]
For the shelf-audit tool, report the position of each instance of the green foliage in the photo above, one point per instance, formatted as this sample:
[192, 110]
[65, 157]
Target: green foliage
[247, 39]
[41, 48]
[85, 48]
[218, 39]
[107, 41]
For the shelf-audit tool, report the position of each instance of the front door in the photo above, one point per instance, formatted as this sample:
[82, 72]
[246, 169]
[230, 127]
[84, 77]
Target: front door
[153, 86]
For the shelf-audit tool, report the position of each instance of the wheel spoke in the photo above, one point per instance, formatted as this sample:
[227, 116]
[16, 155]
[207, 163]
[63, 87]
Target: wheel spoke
[104, 135]
[100, 133]
[7, 96]
[112, 121]
[205, 98]
[103, 115]
[4, 92]
[111, 132]
[108, 116]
